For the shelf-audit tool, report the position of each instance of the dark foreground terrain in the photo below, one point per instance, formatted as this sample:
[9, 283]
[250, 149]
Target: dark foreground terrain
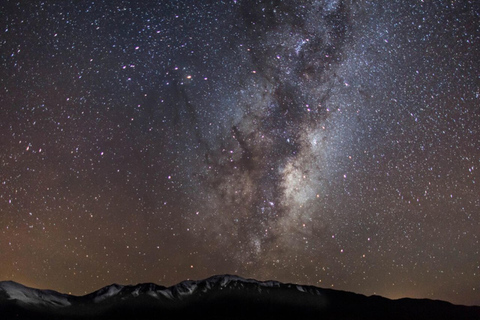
[218, 297]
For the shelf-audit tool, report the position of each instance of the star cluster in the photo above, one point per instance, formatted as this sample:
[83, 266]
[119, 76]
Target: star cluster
[332, 143]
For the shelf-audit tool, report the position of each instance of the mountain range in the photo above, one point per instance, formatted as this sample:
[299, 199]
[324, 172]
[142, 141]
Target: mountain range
[219, 297]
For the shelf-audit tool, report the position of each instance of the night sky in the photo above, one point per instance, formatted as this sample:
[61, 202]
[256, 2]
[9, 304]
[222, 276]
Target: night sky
[328, 143]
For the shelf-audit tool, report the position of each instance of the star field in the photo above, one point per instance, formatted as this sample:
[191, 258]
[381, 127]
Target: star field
[331, 143]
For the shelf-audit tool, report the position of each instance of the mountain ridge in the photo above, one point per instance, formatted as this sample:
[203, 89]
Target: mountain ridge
[219, 296]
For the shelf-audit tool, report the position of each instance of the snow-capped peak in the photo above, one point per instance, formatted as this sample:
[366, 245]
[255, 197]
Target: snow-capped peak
[33, 297]
[107, 292]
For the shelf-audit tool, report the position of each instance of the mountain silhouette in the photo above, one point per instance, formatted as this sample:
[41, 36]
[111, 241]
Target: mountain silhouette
[219, 297]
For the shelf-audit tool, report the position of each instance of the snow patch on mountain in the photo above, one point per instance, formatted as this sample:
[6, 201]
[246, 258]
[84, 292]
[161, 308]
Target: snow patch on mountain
[300, 288]
[166, 293]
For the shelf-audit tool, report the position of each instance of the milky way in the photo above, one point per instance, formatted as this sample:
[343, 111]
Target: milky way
[331, 143]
